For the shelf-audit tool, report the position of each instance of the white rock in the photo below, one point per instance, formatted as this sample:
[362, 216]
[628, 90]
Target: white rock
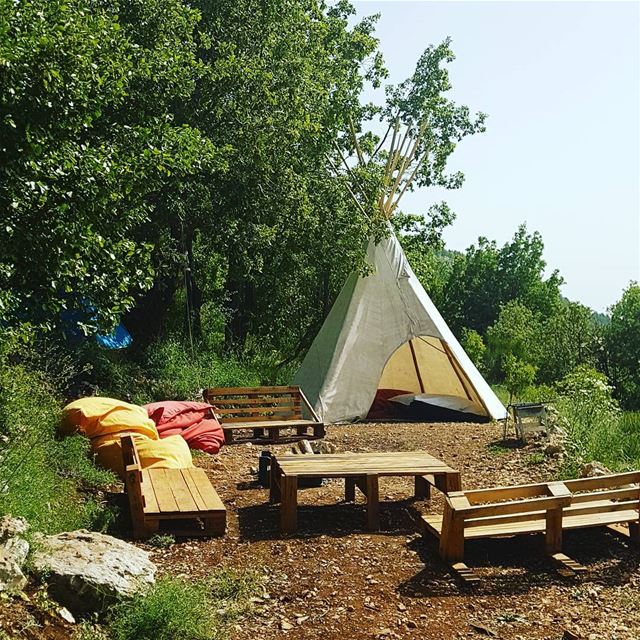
[86, 571]
[11, 577]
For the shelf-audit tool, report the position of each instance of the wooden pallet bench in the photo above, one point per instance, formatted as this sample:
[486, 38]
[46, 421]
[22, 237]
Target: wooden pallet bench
[549, 508]
[264, 412]
[183, 501]
[359, 470]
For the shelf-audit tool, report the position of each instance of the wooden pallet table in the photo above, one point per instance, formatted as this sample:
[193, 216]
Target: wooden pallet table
[361, 470]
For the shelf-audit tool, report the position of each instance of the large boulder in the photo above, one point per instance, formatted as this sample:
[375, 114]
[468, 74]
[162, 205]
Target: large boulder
[13, 553]
[88, 571]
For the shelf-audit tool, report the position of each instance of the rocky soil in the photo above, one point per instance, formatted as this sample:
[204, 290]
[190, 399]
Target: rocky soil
[335, 580]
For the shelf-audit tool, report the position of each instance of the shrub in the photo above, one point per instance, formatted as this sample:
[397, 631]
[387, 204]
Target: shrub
[176, 608]
[595, 422]
[42, 478]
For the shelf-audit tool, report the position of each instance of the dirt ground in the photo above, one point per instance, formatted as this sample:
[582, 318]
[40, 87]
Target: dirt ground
[335, 580]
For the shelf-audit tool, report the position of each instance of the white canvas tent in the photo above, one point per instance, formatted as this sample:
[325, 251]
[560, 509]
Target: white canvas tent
[384, 332]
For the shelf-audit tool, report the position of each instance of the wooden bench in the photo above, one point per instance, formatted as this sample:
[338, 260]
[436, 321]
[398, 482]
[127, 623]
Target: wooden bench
[547, 508]
[261, 409]
[183, 500]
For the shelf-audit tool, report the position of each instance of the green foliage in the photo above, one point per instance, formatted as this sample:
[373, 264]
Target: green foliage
[586, 401]
[486, 278]
[49, 482]
[171, 369]
[474, 346]
[89, 137]
[514, 334]
[161, 541]
[518, 375]
[623, 347]
[176, 608]
[568, 337]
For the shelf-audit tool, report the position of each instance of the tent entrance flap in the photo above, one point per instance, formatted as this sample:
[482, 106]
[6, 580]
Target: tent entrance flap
[425, 365]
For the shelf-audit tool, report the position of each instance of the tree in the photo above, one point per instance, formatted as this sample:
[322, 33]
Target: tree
[89, 137]
[622, 340]
[474, 346]
[515, 335]
[486, 277]
[568, 338]
[518, 375]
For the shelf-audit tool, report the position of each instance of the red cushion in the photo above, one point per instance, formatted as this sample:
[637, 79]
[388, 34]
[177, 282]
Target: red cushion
[382, 407]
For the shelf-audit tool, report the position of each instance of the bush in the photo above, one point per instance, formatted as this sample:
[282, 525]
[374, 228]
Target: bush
[169, 370]
[41, 478]
[595, 421]
[175, 608]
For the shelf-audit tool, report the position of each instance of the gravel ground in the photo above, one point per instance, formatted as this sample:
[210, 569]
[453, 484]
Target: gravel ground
[334, 580]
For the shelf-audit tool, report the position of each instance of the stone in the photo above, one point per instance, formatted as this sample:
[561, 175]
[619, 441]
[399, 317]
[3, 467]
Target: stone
[593, 470]
[13, 553]
[87, 571]
[66, 615]
[553, 450]
[11, 577]
[11, 527]
[17, 549]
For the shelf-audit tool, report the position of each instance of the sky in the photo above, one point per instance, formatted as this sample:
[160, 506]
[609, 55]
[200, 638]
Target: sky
[560, 82]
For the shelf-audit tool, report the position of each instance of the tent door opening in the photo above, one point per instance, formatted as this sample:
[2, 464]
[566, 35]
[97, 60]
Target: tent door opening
[422, 381]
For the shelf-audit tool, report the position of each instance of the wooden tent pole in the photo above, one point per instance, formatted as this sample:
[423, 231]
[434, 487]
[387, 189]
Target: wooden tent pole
[415, 364]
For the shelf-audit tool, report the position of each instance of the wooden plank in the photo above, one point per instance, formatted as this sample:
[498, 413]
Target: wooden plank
[515, 506]
[279, 416]
[193, 489]
[586, 508]
[452, 535]
[289, 504]
[478, 496]
[373, 503]
[180, 490]
[566, 563]
[284, 424]
[259, 402]
[310, 409]
[558, 489]
[611, 494]
[225, 391]
[603, 482]
[349, 489]
[164, 495]
[151, 504]
[467, 575]
[208, 494]
[553, 531]
[422, 488]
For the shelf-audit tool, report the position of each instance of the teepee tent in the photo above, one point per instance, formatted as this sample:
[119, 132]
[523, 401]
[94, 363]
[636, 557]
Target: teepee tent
[383, 331]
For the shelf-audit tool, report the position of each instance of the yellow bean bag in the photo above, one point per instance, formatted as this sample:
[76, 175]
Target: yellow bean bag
[98, 417]
[171, 452]
[105, 420]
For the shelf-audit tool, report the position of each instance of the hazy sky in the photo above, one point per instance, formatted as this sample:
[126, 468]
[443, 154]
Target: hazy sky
[561, 84]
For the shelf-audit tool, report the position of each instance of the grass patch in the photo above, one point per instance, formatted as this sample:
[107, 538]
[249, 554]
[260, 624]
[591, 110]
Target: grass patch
[176, 608]
[52, 483]
[535, 458]
[497, 449]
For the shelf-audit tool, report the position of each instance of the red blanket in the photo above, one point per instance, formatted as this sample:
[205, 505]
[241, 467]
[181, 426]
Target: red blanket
[194, 421]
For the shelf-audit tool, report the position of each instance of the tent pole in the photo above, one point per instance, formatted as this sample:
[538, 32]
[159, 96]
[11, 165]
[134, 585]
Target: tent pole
[462, 377]
[415, 364]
